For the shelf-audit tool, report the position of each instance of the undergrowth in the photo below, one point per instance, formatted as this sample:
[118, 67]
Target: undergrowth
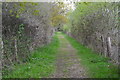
[96, 65]
[40, 64]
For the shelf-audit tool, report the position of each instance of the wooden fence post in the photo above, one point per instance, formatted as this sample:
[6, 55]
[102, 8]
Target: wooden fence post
[109, 47]
[16, 50]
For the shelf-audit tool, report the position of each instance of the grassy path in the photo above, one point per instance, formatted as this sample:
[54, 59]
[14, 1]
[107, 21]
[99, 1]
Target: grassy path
[64, 57]
[68, 63]
[97, 66]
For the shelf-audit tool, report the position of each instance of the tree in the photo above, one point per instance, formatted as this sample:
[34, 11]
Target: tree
[58, 14]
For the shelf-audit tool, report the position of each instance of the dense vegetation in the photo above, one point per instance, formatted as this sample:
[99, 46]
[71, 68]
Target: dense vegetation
[26, 26]
[96, 26]
[29, 43]
[40, 64]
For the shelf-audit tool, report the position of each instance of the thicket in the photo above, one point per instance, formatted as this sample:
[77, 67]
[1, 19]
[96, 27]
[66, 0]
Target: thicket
[41, 63]
[26, 26]
[96, 26]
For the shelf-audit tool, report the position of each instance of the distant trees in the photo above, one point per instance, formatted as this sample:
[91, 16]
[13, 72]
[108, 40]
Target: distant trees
[58, 17]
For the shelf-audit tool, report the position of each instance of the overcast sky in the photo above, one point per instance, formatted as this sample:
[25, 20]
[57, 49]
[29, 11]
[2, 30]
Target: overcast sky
[71, 4]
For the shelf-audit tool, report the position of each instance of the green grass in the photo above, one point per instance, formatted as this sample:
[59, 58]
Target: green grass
[96, 65]
[41, 63]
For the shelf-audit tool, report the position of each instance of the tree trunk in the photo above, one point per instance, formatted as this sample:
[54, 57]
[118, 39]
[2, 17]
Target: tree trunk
[109, 46]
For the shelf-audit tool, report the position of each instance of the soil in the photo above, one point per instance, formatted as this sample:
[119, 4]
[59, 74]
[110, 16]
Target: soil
[67, 62]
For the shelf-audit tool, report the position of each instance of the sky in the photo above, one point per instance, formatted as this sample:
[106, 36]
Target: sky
[71, 4]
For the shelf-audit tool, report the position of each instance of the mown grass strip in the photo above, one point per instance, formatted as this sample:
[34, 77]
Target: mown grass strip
[41, 63]
[96, 65]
